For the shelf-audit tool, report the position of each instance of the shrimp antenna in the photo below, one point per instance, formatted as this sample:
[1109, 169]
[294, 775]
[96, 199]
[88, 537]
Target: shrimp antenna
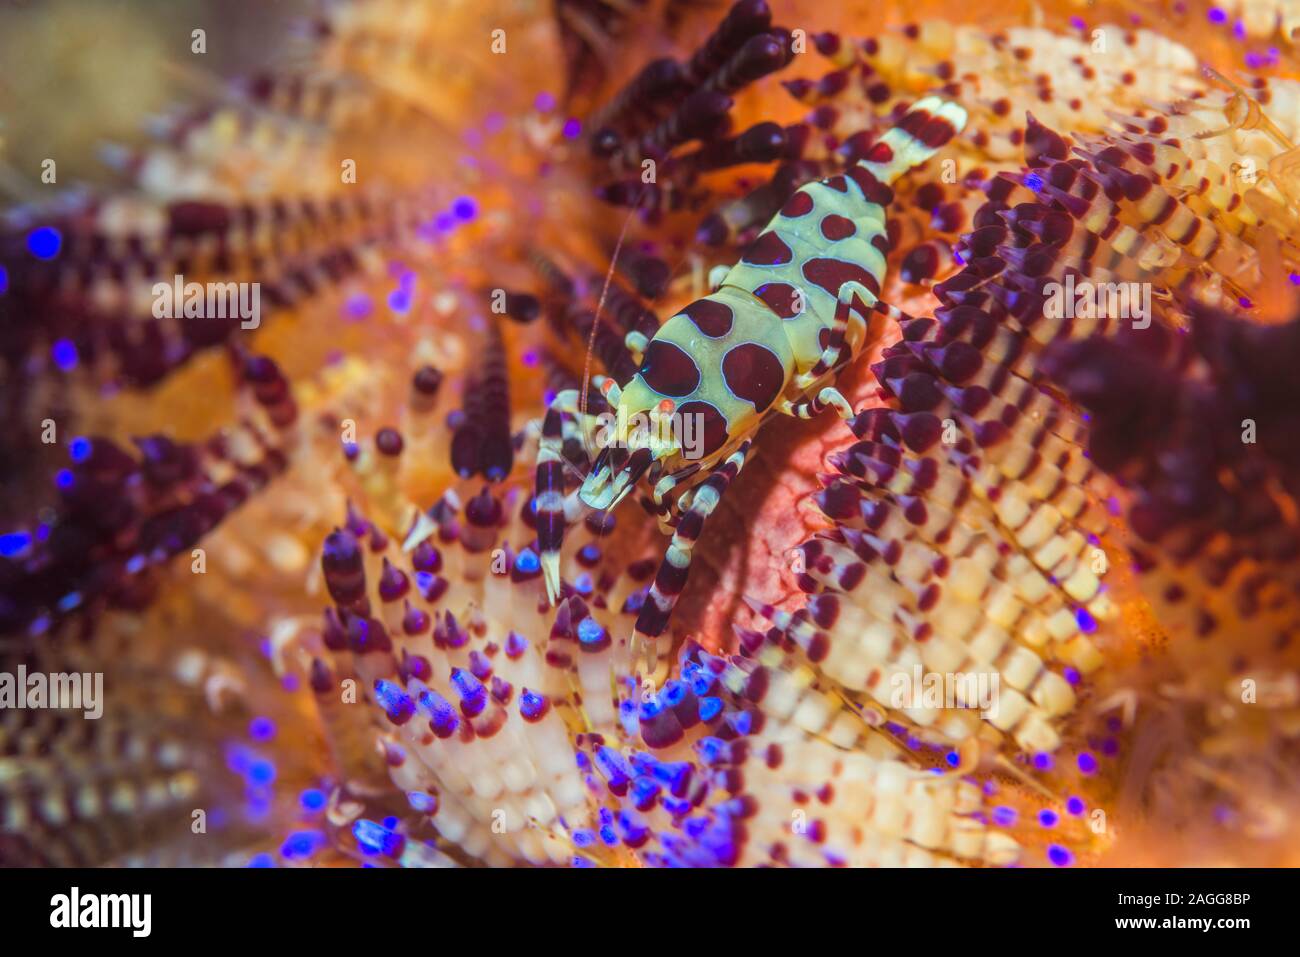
[600, 304]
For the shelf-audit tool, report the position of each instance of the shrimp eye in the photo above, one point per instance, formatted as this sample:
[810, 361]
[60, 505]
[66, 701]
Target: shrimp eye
[666, 406]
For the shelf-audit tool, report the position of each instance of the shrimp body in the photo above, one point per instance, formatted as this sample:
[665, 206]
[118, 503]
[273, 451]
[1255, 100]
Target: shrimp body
[770, 339]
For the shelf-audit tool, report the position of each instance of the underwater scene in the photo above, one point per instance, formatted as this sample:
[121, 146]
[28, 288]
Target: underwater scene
[650, 433]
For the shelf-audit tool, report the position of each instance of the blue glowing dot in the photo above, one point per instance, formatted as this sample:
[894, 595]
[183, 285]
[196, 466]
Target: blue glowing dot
[261, 771]
[1239, 30]
[572, 127]
[312, 799]
[69, 601]
[79, 449]
[4, 280]
[399, 300]
[1072, 675]
[444, 222]
[953, 758]
[1034, 181]
[468, 687]
[1087, 763]
[261, 729]
[1215, 15]
[357, 306]
[674, 693]
[397, 704]
[531, 704]
[15, 543]
[589, 631]
[261, 860]
[302, 844]
[63, 479]
[1059, 855]
[422, 802]
[1047, 817]
[64, 354]
[44, 243]
[1086, 622]
[1075, 806]
[374, 838]
[1294, 277]
[464, 208]
[544, 102]
[1004, 816]
[527, 562]
[1043, 761]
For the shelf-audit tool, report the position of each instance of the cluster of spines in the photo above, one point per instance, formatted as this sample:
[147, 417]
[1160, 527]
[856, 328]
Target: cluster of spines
[1134, 205]
[475, 683]
[1212, 514]
[120, 516]
[970, 502]
[746, 761]
[670, 103]
[475, 718]
[482, 443]
[90, 791]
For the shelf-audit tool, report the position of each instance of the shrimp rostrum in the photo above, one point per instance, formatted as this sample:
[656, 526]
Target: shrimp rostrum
[770, 340]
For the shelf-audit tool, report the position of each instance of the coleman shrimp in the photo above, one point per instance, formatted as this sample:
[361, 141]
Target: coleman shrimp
[769, 340]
